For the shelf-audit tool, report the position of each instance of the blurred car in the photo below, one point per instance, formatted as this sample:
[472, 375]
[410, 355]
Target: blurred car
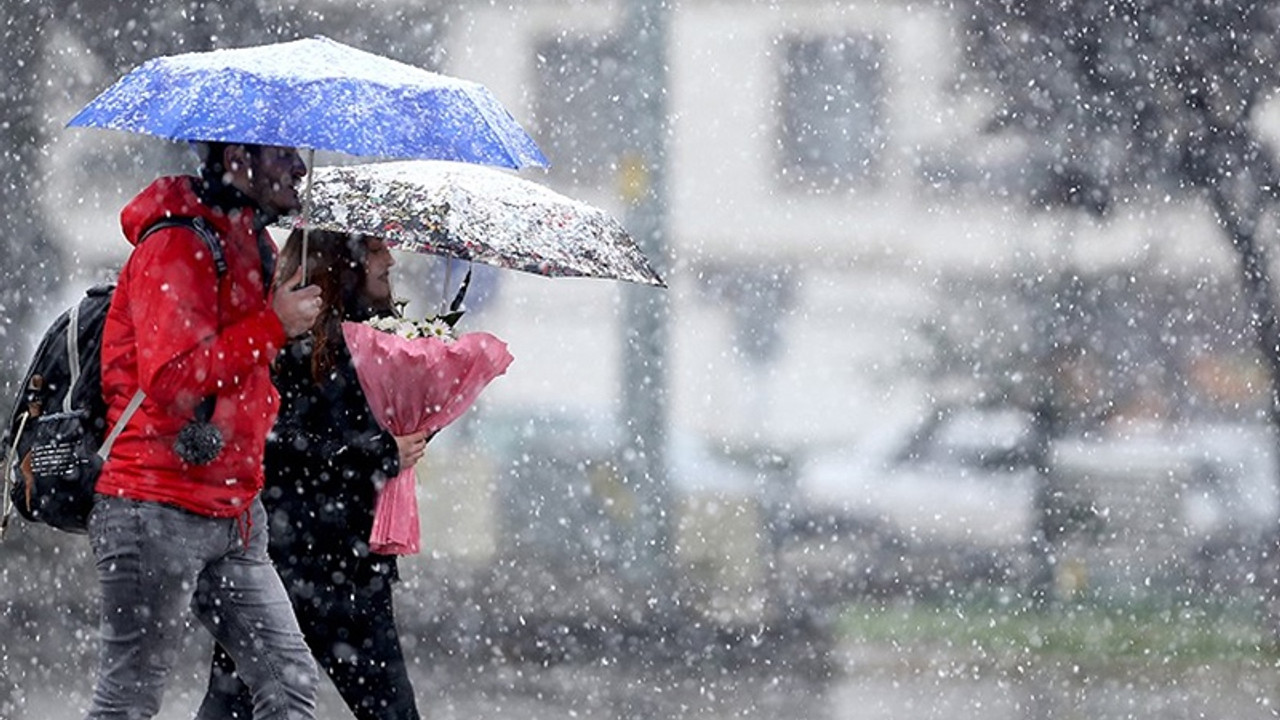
[1219, 479]
[958, 477]
[1140, 506]
[1195, 502]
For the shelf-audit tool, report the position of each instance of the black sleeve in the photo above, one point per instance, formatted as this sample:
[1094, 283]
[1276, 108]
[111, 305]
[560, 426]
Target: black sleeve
[364, 442]
[330, 424]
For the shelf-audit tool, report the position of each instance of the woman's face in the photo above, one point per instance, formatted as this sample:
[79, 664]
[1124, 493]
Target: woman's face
[377, 265]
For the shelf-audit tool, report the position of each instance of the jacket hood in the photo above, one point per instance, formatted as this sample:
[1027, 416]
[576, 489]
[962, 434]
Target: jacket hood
[172, 196]
[180, 196]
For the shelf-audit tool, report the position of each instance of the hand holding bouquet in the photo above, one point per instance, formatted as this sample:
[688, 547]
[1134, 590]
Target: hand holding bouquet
[417, 377]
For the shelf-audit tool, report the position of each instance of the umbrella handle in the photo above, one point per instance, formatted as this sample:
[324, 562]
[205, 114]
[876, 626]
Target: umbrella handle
[458, 299]
[306, 212]
[444, 292]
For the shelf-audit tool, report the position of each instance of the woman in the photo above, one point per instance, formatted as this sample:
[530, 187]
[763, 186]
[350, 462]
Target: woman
[325, 460]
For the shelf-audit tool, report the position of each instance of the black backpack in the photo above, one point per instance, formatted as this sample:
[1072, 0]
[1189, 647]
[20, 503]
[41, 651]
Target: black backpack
[57, 436]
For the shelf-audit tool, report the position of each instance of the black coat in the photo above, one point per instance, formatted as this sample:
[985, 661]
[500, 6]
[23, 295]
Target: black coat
[325, 460]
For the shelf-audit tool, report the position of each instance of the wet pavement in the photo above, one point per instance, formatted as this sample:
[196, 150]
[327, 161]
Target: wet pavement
[864, 683]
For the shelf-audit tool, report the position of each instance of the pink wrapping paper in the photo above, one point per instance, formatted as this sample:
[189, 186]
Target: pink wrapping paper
[415, 385]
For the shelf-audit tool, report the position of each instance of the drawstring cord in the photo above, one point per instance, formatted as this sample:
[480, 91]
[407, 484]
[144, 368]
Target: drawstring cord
[244, 524]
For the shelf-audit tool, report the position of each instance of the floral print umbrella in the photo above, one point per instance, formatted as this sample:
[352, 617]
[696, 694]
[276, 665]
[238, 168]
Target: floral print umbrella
[474, 213]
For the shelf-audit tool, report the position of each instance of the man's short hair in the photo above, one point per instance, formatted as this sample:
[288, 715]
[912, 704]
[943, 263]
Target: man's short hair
[211, 155]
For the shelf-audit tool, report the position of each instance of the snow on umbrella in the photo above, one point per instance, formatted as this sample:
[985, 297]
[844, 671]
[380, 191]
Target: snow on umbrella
[478, 214]
[317, 94]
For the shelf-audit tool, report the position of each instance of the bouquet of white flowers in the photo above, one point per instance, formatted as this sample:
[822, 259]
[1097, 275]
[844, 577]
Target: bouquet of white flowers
[417, 375]
[434, 326]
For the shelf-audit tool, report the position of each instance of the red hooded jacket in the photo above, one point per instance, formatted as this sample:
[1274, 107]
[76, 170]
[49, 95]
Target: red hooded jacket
[181, 333]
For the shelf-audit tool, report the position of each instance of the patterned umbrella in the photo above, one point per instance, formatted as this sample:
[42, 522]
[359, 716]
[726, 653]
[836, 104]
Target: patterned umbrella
[475, 213]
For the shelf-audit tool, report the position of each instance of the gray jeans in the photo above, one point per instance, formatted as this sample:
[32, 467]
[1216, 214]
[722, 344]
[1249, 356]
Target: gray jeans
[156, 560]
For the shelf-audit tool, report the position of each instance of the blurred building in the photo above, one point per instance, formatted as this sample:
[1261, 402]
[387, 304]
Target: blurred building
[826, 169]
[836, 224]
[826, 173]
[833, 209]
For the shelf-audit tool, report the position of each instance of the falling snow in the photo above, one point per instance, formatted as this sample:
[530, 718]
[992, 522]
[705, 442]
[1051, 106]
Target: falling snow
[960, 400]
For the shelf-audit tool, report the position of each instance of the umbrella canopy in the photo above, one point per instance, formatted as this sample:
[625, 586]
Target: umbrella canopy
[475, 213]
[317, 94]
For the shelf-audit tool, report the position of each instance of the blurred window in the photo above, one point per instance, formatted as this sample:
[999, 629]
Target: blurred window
[581, 122]
[832, 129]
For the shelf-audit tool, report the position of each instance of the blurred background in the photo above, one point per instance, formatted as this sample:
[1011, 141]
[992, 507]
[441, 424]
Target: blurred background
[961, 402]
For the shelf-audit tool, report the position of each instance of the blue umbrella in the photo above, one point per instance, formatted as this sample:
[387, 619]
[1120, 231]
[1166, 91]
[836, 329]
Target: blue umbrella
[317, 94]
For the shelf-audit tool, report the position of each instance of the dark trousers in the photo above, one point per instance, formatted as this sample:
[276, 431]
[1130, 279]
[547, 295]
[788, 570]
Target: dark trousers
[351, 630]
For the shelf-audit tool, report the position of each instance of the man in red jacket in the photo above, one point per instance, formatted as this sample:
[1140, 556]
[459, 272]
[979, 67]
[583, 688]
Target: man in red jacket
[168, 533]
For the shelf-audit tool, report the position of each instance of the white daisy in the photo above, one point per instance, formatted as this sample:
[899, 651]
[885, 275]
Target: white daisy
[437, 328]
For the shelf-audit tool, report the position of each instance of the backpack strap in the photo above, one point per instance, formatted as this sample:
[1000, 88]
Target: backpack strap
[204, 411]
[268, 259]
[10, 460]
[214, 245]
[73, 354]
[201, 228]
[135, 402]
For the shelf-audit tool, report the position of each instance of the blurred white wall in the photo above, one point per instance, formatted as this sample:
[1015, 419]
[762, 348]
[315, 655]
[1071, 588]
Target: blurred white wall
[864, 261]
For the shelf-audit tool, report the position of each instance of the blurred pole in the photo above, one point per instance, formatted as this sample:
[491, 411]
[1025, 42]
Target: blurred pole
[645, 311]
